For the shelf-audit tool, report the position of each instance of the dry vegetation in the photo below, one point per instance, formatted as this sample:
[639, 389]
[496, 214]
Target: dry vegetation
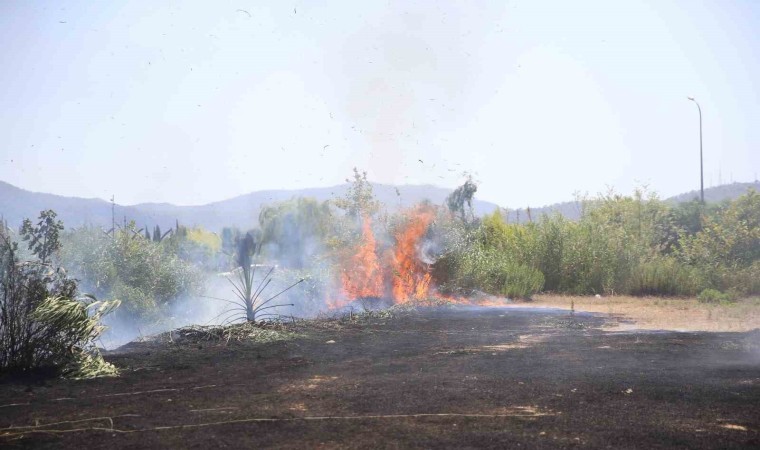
[655, 313]
[278, 330]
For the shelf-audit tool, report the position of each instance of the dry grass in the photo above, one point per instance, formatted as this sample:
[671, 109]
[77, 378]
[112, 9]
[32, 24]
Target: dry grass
[653, 313]
[262, 332]
[278, 330]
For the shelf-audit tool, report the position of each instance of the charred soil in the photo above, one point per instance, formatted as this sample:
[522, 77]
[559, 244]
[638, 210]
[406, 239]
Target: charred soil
[435, 377]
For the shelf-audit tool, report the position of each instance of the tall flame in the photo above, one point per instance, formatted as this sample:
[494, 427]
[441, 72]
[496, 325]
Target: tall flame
[400, 275]
[411, 277]
[362, 276]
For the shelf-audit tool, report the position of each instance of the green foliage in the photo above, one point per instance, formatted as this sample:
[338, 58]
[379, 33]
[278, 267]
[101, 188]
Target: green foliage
[664, 276]
[622, 244]
[248, 292]
[204, 238]
[145, 275]
[294, 232]
[486, 258]
[714, 296]
[43, 238]
[197, 246]
[68, 330]
[359, 200]
[492, 272]
[459, 202]
[44, 324]
[730, 238]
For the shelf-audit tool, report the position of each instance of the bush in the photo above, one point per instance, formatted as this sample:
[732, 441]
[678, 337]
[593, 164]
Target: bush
[628, 244]
[68, 329]
[730, 238]
[743, 280]
[514, 280]
[145, 275]
[490, 271]
[592, 259]
[43, 323]
[714, 296]
[664, 276]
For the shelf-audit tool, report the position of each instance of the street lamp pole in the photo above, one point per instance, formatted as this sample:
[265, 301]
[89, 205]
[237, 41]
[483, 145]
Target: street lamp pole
[701, 167]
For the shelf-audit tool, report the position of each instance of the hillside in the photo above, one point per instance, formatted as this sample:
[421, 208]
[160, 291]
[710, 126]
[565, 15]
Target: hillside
[242, 211]
[572, 209]
[717, 193]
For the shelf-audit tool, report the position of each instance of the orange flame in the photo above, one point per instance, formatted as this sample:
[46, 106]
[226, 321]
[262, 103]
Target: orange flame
[362, 276]
[411, 277]
[400, 275]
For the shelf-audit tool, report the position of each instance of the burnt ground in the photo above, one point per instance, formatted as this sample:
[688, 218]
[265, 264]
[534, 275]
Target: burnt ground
[450, 377]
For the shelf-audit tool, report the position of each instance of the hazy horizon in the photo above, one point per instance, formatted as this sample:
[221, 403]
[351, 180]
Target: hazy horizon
[192, 103]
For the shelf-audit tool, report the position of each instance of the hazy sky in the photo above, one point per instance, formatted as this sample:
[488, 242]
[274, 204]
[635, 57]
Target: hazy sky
[192, 102]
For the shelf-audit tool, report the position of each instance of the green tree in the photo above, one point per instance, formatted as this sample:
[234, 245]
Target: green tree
[43, 238]
[146, 276]
[44, 322]
[359, 200]
[459, 202]
[731, 238]
[294, 232]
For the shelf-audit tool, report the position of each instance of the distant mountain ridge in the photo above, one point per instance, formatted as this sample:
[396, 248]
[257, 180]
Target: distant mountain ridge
[243, 211]
[717, 193]
[572, 209]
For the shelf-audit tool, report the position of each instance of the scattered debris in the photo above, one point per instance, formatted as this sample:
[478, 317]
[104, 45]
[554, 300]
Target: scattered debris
[269, 331]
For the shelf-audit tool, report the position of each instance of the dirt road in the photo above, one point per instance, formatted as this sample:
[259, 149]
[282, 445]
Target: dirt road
[452, 377]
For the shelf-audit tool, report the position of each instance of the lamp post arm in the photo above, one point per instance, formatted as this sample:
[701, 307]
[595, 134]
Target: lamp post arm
[701, 165]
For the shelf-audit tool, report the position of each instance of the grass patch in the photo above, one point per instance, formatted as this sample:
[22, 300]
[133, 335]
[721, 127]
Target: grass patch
[715, 296]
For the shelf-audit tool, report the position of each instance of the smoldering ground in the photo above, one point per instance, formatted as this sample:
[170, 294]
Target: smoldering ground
[447, 377]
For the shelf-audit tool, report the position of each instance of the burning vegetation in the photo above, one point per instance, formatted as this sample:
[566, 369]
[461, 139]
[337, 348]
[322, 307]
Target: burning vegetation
[361, 275]
[411, 277]
[306, 257]
[395, 273]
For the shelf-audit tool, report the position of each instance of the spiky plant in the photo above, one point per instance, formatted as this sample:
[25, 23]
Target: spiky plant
[248, 304]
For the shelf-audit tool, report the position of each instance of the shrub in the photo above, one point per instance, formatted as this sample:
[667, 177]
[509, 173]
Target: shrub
[145, 275]
[295, 232]
[68, 329]
[714, 296]
[515, 281]
[663, 276]
[197, 246]
[490, 271]
[44, 324]
[730, 238]
[745, 280]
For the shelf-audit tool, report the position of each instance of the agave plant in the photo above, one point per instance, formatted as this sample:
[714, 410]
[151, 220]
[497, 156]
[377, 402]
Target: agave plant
[250, 302]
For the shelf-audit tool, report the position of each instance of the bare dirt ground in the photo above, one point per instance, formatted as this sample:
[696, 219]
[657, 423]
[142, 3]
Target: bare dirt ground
[656, 313]
[446, 377]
